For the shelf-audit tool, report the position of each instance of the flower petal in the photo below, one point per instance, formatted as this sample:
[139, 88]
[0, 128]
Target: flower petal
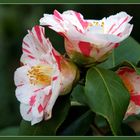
[55, 91]
[132, 81]
[35, 45]
[24, 93]
[51, 22]
[117, 22]
[25, 111]
[20, 76]
[75, 19]
[62, 22]
[41, 102]
[133, 109]
[136, 99]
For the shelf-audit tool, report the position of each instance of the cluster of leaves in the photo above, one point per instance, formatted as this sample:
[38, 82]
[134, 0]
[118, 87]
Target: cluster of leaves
[97, 104]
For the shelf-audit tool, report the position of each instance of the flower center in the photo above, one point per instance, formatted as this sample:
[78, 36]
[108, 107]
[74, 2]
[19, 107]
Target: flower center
[40, 75]
[95, 24]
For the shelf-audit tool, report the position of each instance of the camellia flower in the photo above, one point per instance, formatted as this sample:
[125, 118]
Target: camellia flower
[89, 41]
[132, 82]
[45, 75]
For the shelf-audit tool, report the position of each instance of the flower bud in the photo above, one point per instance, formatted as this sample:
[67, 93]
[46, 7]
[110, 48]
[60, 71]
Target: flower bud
[69, 75]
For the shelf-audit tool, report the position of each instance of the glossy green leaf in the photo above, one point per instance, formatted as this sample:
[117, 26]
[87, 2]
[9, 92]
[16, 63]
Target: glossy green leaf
[129, 50]
[80, 126]
[78, 94]
[49, 127]
[107, 96]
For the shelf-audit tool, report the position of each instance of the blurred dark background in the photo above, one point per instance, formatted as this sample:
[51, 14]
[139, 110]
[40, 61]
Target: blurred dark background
[14, 22]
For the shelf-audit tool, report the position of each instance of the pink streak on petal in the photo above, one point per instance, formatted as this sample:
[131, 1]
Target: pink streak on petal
[83, 23]
[78, 29]
[40, 108]
[25, 50]
[30, 56]
[57, 58]
[32, 100]
[135, 99]
[29, 110]
[116, 45]
[43, 31]
[26, 44]
[20, 85]
[47, 98]
[120, 24]
[38, 32]
[111, 28]
[39, 89]
[85, 48]
[57, 14]
[55, 78]
[120, 34]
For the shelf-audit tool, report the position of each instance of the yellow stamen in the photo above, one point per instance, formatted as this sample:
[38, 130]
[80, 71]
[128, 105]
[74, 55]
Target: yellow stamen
[96, 23]
[40, 75]
[102, 24]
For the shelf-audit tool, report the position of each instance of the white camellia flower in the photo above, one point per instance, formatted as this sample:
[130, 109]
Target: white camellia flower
[89, 41]
[45, 75]
[132, 82]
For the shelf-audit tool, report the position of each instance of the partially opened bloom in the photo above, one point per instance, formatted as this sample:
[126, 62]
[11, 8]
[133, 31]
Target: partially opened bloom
[89, 41]
[45, 75]
[132, 82]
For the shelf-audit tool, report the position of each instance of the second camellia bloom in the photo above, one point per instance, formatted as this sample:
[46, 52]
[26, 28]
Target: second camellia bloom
[132, 82]
[45, 75]
[89, 41]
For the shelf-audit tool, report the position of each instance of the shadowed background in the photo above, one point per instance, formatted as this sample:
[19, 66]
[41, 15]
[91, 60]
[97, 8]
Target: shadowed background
[14, 22]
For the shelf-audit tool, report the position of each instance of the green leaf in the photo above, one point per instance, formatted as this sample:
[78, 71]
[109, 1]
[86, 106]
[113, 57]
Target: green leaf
[49, 127]
[100, 121]
[126, 131]
[74, 113]
[12, 131]
[78, 94]
[129, 50]
[107, 96]
[80, 126]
